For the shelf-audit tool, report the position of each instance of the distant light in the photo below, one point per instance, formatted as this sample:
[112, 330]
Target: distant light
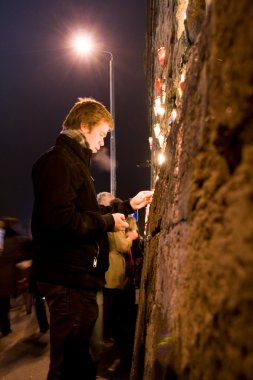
[174, 114]
[161, 140]
[158, 102]
[83, 44]
[182, 77]
[161, 158]
[163, 96]
[159, 110]
[161, 55]
[157, 130]
[158, 84]
[150, 139]
[181, 84]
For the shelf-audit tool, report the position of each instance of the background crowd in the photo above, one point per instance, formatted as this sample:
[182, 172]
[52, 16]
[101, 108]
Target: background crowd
[117, 301]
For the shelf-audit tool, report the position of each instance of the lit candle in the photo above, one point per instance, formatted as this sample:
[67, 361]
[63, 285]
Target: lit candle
[158, 84]
[161, 55]
[174, 114]
[181, 84]
[150, 139]
[158, 101]
[161, 158]
[159, 110]
[161, 140]
[157, 130]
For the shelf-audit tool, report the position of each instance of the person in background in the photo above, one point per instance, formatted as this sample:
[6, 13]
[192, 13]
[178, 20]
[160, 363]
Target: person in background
[97, 338]
[136, 252]
[134, 259]
[33, 297]
[14, 249]
[2, 233]
[70, 237]
[115, 277]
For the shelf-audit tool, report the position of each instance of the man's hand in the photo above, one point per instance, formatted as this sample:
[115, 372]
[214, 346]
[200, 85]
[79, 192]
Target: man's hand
[120, 222]
[141, 199]
[132, 235]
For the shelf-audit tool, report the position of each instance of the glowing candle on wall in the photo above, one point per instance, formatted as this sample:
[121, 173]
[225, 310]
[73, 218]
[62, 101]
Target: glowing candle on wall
[158, 108]
[174, 114]
[158, 85]
[181, 84]
[161, 158]
[157, 130]
[150, 140]
[161, 140]
[161, 55]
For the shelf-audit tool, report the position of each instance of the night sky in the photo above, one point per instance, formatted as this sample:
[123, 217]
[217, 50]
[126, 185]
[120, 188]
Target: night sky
[41, 77]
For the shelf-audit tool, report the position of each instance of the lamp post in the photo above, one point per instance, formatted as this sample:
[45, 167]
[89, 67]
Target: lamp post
[84, 45]
[112, 138]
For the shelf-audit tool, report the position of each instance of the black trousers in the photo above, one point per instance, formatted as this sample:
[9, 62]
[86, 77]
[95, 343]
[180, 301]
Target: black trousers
[5, 314]
[119, 320]
[40, 309]
[73, 313]
[114, 309]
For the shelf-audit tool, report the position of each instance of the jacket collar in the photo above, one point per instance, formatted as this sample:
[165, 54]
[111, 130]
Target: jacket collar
[72, 145]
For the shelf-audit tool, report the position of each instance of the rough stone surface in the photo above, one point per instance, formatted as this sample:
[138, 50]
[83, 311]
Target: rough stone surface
[195, 311]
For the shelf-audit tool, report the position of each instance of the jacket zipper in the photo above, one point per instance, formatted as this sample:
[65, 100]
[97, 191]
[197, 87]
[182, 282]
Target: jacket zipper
[95, 260]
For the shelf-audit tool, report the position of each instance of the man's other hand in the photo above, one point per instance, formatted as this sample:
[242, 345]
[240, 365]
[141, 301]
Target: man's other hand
[141, 199]
[120, 222]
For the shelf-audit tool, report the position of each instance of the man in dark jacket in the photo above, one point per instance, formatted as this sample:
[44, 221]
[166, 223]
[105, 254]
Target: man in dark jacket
[70, 237]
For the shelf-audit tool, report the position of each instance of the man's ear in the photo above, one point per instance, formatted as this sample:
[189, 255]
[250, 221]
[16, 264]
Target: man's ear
[84, 128]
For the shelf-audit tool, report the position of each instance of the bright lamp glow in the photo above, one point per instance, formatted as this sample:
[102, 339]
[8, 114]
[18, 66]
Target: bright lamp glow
[83, 44]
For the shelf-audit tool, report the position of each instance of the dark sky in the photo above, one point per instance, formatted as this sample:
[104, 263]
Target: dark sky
[41, 77]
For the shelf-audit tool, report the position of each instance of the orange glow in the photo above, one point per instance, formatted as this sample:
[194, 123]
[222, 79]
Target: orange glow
[161, 55]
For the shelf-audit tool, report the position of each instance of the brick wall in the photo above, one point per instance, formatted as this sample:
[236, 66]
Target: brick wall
[196, 305]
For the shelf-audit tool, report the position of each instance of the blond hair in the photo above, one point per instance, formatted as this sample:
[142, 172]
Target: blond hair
[133, 226]
[105, 198]
[89, 112]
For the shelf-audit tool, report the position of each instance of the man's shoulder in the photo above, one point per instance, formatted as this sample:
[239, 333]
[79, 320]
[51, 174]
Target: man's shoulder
[53, 152]
[50, 161]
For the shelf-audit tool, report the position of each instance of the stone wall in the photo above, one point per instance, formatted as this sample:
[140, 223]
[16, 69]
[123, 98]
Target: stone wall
[196, 301]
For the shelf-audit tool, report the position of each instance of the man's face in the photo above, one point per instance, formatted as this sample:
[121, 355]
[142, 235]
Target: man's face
[95, 137]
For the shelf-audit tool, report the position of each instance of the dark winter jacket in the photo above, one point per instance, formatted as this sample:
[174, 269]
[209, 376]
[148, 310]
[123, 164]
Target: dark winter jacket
[69, 231]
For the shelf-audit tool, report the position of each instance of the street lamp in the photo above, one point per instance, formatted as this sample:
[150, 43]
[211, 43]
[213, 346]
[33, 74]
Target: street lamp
[84, 45]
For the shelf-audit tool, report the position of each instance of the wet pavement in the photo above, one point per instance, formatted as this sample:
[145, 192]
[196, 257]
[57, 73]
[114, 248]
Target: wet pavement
[24, 353]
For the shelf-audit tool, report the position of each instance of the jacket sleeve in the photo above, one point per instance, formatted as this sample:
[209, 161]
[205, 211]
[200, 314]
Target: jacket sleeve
[117, 205]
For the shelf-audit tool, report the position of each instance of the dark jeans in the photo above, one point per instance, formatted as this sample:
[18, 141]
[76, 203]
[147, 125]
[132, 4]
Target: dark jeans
[40, 309]
[119, 320]
[5, 326]
[73, 313]
[114, 310]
